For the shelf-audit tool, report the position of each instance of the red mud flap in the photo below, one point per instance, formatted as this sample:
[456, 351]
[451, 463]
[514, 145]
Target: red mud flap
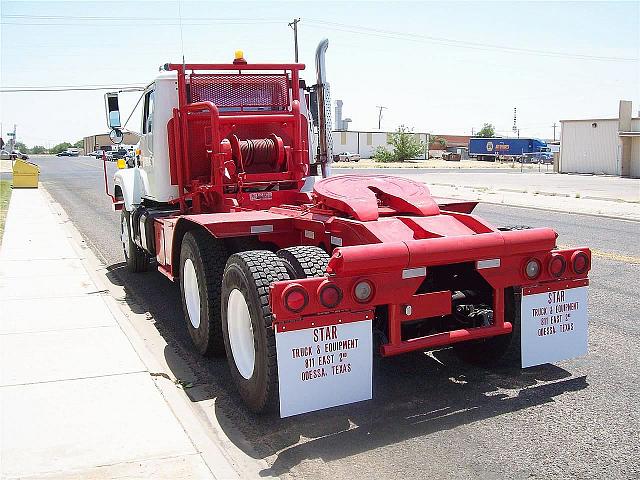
[324, 361]
[554, 322]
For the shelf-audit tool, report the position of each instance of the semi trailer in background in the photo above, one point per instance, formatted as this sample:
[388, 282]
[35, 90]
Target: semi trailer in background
[528, 150]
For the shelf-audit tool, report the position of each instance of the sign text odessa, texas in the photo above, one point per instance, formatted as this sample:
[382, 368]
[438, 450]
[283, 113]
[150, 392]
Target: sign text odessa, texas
[324, 367]
[554, 326]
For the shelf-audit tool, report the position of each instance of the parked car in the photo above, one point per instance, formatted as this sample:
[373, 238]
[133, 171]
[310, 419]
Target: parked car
[346, 157]
[68, 153]
[13, 155]
[537, 157]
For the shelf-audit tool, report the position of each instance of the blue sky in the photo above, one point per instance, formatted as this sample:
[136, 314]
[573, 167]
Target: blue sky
[441, 67]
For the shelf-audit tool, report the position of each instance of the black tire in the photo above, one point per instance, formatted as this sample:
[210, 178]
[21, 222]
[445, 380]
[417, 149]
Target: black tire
[208, 257]
[137, 259]
[251, 273]
[500, 351]
[304, 261]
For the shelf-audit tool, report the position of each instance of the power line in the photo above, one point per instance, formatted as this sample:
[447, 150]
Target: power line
[136, 19]
[453, 42]
[202, 23]
[73, 89]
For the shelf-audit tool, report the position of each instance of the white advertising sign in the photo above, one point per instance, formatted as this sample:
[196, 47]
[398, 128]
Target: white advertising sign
[324, 367]
[554, 326]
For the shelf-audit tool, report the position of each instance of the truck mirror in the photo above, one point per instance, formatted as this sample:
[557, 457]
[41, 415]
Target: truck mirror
[116, 136]
[113, 110]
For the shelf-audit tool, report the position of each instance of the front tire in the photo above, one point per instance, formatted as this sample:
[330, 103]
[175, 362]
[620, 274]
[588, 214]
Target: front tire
[202, 260]
[247, 326]
[137, 259]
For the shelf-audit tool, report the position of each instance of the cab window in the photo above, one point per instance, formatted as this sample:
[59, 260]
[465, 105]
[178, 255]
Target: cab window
[147, 114]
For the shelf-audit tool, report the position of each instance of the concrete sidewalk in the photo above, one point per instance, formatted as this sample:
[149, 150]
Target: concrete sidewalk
[78, 397]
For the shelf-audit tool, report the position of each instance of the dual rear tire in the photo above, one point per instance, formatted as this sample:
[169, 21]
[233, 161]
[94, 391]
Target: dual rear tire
[226, 306]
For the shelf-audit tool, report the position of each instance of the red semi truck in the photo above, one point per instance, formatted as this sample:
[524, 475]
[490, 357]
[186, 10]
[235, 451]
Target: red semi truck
[300, 277]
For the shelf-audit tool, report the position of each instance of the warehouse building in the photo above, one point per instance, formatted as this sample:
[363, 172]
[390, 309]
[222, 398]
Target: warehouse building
[608, 146]
[365, 143]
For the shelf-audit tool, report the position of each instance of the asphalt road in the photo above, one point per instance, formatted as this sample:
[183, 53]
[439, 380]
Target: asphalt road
[432, 416]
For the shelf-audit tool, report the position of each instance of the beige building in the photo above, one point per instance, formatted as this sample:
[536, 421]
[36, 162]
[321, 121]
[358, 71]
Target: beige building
[95, 142]
[602, 145]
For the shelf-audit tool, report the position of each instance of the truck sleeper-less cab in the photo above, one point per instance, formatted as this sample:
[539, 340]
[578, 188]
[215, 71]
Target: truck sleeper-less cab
[299, 282]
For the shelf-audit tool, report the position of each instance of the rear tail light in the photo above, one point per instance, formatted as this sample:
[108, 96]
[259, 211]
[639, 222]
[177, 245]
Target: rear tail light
[579, 262]
[557, 265]
[363, 291]
[532, 268]
[330, 295]
[295, 299]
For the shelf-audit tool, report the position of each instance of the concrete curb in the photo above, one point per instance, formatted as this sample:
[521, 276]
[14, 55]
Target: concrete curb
[212, 444]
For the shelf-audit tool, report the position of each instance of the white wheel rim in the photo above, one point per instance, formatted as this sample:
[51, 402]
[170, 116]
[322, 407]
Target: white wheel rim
[241, 333]
[191, 292]
[124, 236]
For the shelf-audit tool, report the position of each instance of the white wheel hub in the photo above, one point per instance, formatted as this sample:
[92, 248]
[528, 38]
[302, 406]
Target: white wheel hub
[191, 292]
[241, 333]
[124, 236]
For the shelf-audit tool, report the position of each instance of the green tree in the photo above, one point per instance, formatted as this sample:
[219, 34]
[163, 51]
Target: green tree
[434, 139]
[61, 147]
[405, 146]
[487, 131]
[21, 147]
[79, 144]
[37, 149]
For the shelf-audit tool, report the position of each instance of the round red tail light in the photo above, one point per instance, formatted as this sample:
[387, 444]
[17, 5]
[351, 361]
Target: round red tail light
[532, 268]
[330, 295]
[557, 265]
[579, 262]
[296, 299]
[363, 291]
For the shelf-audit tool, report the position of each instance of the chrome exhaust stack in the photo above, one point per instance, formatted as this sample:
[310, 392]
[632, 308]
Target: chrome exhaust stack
[325, 140]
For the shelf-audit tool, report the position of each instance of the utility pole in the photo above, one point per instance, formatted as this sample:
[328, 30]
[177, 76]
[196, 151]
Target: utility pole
[515, 125]
[472, 131]
[380, 108]
[554, 131]
[294, 25]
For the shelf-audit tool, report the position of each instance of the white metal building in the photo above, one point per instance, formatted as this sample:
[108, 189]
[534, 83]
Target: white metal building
[602, 145]
[365, 143]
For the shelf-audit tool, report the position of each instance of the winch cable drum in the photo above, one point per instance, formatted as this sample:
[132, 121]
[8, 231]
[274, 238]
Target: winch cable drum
[259, 154]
